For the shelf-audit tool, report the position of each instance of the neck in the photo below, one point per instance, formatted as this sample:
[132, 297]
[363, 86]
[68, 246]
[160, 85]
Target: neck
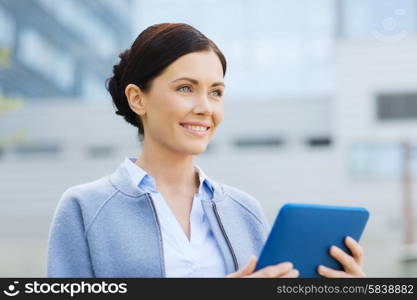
[171, 171]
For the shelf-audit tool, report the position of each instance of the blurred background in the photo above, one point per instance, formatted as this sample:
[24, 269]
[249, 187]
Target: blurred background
[320, 107]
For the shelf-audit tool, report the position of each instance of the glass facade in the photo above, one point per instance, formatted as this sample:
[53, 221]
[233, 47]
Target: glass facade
[279, 49]
[61, 49]
[275, 49]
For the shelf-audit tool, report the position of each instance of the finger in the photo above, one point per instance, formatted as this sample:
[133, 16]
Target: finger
[273, 271]
[331, 273]
[355, 248]
[248, 269]
[294, 273]
[348, 262]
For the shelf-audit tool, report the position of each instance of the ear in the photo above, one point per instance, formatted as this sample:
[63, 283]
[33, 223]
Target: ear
[135, 98]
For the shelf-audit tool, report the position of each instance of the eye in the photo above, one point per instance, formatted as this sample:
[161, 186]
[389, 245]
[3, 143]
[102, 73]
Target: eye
[217, 93]
[184, 88]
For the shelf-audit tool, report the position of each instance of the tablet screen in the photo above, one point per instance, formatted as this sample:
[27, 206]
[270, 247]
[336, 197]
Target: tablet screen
[303, 234]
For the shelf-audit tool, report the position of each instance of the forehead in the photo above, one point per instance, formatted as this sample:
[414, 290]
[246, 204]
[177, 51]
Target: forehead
[198, 65]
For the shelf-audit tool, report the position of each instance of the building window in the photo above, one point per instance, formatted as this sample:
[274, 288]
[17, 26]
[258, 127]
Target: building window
[37, 149]
[396, 106]
[319, 141]
[82, 22]
[7, 26]
[259, 142]
[37, 53]
[379, 160]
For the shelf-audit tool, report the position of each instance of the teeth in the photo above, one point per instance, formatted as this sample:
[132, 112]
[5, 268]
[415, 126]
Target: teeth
[199, 128]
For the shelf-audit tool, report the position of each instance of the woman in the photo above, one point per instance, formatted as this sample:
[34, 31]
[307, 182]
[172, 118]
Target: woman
[160, 215]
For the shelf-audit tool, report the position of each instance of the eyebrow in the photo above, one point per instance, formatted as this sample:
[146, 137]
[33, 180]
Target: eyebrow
[194, 81]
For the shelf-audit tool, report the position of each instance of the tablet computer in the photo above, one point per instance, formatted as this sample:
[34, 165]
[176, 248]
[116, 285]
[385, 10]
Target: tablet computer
[303, 234]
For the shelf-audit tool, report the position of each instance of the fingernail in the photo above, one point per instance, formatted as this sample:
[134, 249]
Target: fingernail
[322, 268]
[289, 265]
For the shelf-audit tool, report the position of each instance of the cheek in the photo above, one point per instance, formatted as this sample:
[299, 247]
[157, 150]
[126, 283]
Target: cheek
[167, 111]
[218, 113]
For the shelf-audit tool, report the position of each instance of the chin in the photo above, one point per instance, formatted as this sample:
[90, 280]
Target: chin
[195, 149]
[199, 151]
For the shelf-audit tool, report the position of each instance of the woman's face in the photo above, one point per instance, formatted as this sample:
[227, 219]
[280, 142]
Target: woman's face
[184, 104]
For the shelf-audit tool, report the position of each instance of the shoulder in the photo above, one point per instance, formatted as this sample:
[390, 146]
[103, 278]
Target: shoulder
[246, 201]
[91, 190]
[85, 200]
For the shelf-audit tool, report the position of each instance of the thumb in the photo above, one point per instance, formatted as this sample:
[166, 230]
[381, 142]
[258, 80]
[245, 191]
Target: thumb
[247, 270]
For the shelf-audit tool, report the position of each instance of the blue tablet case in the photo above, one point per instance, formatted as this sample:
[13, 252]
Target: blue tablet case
[303, 234]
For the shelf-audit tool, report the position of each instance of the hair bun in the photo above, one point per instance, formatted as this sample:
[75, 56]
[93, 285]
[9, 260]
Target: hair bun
[119, 68]
[115, 87]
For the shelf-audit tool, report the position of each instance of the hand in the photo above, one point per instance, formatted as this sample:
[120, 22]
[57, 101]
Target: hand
[352, 265]
[280, 270]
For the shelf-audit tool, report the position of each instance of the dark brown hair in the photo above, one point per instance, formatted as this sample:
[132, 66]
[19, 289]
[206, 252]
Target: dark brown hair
[152, 51]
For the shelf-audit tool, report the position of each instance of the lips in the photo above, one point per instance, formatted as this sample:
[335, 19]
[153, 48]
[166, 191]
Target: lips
[196, 128]
[196, 125]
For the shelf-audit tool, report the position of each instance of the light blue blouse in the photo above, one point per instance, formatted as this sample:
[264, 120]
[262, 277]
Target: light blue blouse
[198, 257]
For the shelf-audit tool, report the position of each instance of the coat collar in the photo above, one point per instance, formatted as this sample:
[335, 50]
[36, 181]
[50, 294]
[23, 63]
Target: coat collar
[120, 179]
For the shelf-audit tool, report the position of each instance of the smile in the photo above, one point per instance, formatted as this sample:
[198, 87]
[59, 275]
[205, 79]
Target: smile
[195, 130]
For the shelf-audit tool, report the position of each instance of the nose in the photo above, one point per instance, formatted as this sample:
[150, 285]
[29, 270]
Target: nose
[203, 105]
